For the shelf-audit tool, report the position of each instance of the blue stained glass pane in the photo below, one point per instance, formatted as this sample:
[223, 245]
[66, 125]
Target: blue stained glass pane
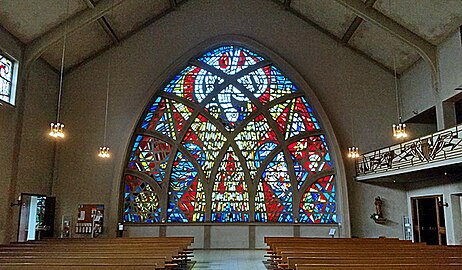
[267, 84]
[197, 152]
[150, 113]
[230, 106]
[140, 201]
[193, 84]
[230, 59]
[262, 152]
[186, 194]
[274, 193]
[6, 80]
[318, 203]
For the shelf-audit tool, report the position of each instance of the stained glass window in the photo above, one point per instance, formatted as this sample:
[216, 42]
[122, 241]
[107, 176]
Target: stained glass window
[274, 193]
[167, 117]
[186, 192]
[7, 91]
[141, 201]
[318, 202]
[230, 139]
[230, 198]
[310, 156]
[150, 155]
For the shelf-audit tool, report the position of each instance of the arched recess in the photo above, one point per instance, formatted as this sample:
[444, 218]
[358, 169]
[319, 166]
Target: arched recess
[249, 124]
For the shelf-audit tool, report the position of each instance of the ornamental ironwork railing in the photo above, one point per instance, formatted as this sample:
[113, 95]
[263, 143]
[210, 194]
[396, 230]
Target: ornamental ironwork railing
[445, 145]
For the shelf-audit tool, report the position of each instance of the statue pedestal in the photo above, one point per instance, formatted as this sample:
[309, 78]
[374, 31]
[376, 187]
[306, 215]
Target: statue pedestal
[380, 220]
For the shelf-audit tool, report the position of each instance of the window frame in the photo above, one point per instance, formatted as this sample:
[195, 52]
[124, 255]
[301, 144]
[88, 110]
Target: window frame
[165, 199]
[14, 79]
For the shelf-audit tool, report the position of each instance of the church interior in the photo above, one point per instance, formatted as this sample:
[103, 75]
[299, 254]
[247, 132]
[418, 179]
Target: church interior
[234, 128]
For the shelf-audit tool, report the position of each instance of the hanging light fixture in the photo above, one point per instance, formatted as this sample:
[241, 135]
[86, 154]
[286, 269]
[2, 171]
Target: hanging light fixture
[399, 129]
[104, 152]
[56, 129]
[104, 149]
[353, 152]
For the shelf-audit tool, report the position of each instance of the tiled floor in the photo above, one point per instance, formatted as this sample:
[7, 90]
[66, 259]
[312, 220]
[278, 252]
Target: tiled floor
[229, 259]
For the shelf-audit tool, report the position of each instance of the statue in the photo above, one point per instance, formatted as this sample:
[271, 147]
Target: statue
[378, 207]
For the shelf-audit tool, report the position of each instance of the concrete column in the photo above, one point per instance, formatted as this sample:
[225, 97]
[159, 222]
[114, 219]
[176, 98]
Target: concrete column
[456, 207]
[449, 114]
[296, 230]
[207, 232]
[445, 114]
[162, 231]
[252, 239]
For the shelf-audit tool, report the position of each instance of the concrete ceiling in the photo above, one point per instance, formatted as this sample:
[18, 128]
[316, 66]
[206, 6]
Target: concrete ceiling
[431, 20]
[28, 20]
[327, 14]
[383, 47]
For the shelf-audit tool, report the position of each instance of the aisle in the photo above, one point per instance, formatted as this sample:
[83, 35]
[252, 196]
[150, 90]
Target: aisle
[229, 259]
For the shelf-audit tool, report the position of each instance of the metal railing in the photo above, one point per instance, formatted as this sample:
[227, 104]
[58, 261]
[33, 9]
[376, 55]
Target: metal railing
[439, 146]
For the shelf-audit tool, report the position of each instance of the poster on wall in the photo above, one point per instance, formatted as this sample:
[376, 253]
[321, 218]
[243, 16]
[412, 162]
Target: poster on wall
[90, 219]
[66, 227]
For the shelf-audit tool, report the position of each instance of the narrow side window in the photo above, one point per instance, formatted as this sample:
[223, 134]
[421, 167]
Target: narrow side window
[8, 76]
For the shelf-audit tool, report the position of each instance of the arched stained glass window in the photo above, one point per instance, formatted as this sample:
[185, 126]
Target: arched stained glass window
[229, 139]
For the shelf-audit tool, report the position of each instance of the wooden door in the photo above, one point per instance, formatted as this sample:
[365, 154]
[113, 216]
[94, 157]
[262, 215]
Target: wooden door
[49, 217]
[428, 220]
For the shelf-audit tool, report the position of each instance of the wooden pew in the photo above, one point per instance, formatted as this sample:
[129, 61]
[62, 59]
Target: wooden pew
[292, 262]
[379, 267]
[316, 253]
[147, 253]
[77, 266]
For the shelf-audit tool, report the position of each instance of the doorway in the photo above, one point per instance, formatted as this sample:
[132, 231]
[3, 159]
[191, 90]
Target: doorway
[428, 220]
[456, 203]
[36, 217]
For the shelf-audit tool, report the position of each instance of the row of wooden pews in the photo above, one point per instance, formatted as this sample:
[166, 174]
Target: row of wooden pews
[100, 253]
[296, 253]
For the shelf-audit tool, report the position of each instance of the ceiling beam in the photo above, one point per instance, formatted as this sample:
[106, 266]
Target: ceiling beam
[125, 37]
[104, 23]
[426, 50]
[332, 36]
[355, 24]
[89, 3]
[39, 45]
[173, 4]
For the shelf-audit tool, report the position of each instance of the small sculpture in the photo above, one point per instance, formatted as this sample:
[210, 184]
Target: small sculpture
[378, 215]
[378, 207]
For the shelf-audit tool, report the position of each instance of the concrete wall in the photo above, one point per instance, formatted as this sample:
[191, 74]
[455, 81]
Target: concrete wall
[228, 236]
[417, 95]
[8, 116]
[450, 65]
[416, 92]
[362, 198]
[26, 153]
[416, 88]
[144, 62]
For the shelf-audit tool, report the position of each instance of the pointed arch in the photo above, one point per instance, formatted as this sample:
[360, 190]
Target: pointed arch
[226, 89]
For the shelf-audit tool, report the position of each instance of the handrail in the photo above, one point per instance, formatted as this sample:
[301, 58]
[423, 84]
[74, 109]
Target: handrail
[439, 146]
